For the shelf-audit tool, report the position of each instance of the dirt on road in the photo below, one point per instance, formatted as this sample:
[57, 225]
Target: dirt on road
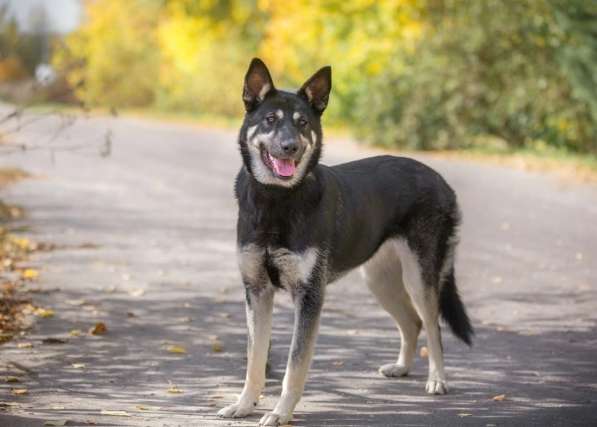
[147, 247]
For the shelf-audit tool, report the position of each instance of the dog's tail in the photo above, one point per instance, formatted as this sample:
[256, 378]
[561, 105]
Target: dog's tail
[453, 311]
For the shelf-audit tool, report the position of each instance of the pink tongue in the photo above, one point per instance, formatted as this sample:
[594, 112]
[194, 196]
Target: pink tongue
[283, 167]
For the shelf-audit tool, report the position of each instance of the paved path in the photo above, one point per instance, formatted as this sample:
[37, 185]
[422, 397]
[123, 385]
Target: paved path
[160, 216]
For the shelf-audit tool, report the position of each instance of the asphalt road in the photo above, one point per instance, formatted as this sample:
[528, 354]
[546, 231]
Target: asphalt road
[146, 245]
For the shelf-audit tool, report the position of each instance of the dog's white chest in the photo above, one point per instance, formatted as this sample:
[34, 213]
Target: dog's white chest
[291, 268]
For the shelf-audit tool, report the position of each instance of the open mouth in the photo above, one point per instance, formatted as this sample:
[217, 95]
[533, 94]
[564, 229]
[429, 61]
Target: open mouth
[282, 168]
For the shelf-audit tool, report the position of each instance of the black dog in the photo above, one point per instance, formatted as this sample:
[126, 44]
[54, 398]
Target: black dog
[301, 225]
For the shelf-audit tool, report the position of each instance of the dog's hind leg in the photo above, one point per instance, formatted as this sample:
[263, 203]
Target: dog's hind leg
[383, 275]
[425, 299]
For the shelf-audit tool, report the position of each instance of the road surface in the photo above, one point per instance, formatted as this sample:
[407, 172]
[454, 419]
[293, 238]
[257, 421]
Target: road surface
[147, 246]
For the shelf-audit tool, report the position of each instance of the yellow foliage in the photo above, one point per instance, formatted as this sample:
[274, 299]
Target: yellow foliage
[192, 55]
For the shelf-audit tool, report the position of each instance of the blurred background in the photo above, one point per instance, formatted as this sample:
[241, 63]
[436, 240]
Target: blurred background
[418, 74]
[118, 127]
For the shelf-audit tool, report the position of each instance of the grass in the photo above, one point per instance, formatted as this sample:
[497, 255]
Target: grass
[566, 164]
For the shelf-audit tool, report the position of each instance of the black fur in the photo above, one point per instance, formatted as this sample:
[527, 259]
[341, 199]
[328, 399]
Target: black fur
[302, 224]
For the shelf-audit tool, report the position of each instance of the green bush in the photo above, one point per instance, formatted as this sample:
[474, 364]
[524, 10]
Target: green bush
[518, 70]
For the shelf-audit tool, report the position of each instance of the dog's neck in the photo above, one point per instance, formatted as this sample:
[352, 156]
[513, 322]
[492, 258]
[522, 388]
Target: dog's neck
[308, 190]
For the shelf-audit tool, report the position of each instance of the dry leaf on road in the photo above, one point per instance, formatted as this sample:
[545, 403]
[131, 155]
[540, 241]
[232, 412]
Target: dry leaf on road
[19, 391]
[78, 365]
[115, 413]
[174, 390]
[98, 329]
[44, 312]
[499, 397]
[29, 274]
[176, 349]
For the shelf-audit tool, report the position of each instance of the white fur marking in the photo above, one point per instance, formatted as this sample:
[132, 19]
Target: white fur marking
[296, 115]
[294, 267]
[251, 132]
[264, 90]
[313, 136]
[280, 114]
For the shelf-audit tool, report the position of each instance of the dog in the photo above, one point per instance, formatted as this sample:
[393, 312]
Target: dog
[302, 225]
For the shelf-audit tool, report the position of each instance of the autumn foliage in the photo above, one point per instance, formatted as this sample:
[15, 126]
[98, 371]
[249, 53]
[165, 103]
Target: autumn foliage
[413, 73]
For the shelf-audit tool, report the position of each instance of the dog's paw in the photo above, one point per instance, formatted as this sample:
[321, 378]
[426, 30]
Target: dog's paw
[273, 419]
[236, 410]
[393, 370]
[436, 386]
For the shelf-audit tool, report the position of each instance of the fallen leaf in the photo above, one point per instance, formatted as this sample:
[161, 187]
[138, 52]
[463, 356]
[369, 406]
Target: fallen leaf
[115, 413]
[19, 391]
[499, 397]
[174, 390]
[131, 314]
[424, 352]
[29, 274]
[176, 349]
[98, 329]
[464, 414]
[76, 301]
[24, 345]
[56, 423]
[75, 332]
[338, 363]
[57, 407]
[44, 312]
[147, 408]
[216, 346]
[78, 365]
[52, 340]
[12, 379]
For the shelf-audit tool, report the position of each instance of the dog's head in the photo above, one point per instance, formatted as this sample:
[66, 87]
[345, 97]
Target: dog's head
[280, 140]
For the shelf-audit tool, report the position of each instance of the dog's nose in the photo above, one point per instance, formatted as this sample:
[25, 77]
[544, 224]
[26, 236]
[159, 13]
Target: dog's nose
[289, 146]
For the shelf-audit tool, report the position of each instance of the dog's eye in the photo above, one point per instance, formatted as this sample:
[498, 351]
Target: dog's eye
[270, 118]
[302, 122]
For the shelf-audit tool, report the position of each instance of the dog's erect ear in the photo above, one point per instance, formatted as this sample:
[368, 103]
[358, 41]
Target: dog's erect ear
[317, 89]
[258, 83]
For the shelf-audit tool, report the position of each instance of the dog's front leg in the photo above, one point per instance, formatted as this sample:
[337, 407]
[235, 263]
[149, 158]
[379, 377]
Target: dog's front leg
[259, 306]
[308, 304]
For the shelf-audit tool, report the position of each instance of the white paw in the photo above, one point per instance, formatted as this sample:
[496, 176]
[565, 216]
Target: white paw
[436, 386]
[393, 370]
[273, 419]
[236, 410]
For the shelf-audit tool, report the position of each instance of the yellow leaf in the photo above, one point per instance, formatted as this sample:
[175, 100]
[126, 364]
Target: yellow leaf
[174, 390]
[75, 332]
[78, 365]
[176, 349]
[98, 329]
[115, 413]
[11, 379]
[19, 391]
[29, 274]
[499, 397]
[24, 345]
[44, 312]
[216, 346]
